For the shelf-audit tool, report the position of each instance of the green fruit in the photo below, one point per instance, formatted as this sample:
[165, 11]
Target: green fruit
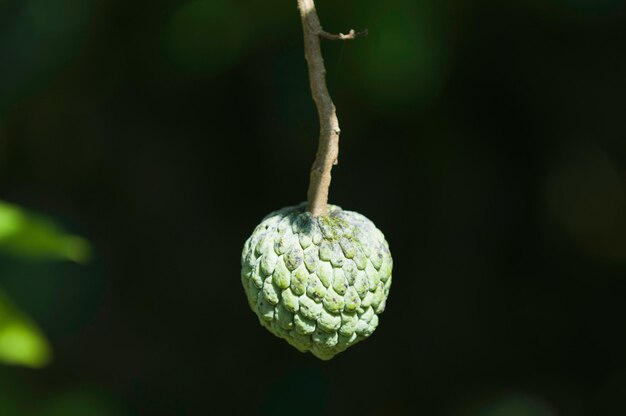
[319, 283]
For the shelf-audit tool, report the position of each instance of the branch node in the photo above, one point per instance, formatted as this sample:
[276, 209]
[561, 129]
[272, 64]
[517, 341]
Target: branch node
[351, 35]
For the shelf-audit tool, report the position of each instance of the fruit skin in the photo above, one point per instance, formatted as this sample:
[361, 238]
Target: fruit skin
[319, 283]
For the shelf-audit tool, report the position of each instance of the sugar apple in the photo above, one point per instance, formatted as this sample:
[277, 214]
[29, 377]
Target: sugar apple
[318, 282]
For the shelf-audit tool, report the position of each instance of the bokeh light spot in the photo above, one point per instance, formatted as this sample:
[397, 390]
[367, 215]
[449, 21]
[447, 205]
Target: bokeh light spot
[403, 58]
[205, 37]
[44, 35]
[586, 194]
[516, 404]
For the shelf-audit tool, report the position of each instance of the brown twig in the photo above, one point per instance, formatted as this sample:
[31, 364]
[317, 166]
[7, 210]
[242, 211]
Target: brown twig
[328, 148]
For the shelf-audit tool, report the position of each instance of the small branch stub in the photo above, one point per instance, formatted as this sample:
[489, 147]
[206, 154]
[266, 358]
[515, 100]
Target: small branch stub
[351, 35]
[328, 148]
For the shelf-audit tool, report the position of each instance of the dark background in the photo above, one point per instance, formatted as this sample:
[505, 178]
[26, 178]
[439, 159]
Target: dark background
[487, 140]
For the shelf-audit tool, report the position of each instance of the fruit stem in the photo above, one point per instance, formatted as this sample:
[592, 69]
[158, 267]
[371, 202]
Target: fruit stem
[328, 148]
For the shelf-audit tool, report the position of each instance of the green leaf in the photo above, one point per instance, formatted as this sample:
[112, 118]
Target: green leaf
[21, 341]
[37, 237]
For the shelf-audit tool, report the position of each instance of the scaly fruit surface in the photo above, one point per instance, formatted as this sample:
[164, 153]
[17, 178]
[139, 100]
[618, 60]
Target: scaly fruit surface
[317, 282]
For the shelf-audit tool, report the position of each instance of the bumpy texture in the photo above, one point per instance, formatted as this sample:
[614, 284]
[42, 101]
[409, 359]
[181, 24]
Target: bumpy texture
[319, 283]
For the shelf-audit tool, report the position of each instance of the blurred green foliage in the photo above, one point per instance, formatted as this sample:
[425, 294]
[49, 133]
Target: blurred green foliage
[21, 341]
[33, 237]
[38, 238]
